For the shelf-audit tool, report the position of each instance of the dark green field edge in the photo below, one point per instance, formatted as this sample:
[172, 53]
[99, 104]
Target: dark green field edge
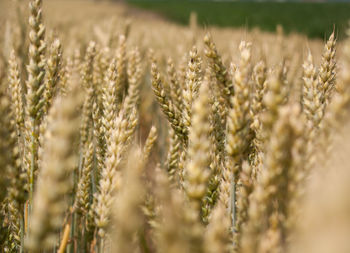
[312, 19]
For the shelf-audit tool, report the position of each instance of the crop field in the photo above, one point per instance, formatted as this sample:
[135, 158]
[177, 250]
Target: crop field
[122, 131]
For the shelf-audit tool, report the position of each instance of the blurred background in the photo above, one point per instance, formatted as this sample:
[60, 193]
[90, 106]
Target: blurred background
[313, 18]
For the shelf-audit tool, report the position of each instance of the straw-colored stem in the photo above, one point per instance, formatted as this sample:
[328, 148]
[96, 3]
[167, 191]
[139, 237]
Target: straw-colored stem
[65, 239]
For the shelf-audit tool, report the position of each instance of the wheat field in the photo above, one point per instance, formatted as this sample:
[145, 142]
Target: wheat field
[123, 132]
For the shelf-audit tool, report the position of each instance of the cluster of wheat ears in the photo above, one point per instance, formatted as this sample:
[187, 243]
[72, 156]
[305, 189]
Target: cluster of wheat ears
[251, 157]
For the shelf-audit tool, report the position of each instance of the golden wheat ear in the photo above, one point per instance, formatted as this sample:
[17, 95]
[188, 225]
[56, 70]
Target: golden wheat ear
[123, 129]
[217, 236]
[150, 142]
[16, 92]
[192, 82]
[134, 81]
[175, 85]
[197, 171]
[176, 231]
[35, 90]
[59, 161]
[128, 202]
[218, 68]
[53, 73]
[173, 116]
[266, 225]
[17, 187]
[327, 74]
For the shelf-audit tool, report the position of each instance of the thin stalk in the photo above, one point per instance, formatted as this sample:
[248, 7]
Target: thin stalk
[70, 248]
[21, 222]
[233, 202]
[65, 239]
[143, 242]
[78, 238]
[94, 177]
[32, 165]
[26, 217]
[101, 245]
[83, 241]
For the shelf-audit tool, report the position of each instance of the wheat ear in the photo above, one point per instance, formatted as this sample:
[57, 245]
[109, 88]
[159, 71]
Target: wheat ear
[59, 161]
[35, 87]
[198, 153]
[121, 135]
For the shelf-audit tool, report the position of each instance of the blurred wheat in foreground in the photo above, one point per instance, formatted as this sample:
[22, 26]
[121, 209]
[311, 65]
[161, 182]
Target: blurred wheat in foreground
[137, 135]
